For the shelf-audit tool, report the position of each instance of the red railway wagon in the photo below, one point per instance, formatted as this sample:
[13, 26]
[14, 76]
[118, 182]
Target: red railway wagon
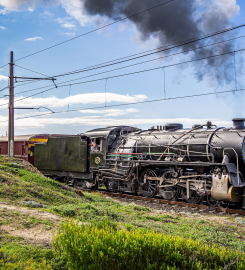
[23, 146]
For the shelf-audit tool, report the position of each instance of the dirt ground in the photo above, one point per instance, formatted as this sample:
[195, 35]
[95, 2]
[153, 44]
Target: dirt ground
[36, 233]
[23, 210]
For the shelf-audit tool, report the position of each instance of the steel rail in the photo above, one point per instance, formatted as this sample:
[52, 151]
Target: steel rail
[166, 202]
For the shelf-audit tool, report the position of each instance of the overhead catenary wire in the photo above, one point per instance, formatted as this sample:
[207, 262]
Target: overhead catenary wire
[133, 103]
[127, 74]
[4, 88]
[200, 38]
[7, 87]
[4, 66]
[86, 34]
[161, 49]
[31, 90]
[95, 30]
[134, 59]
[124, 74]
[151, 69]
[118, 76]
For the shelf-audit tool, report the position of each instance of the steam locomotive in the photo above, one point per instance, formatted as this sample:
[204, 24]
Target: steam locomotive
[205, 163]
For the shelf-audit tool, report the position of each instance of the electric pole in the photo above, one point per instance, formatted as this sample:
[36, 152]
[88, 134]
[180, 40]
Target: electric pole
[11, 102]
[11, 107]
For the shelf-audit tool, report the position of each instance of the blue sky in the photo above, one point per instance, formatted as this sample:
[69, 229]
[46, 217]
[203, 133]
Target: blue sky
[29, 28]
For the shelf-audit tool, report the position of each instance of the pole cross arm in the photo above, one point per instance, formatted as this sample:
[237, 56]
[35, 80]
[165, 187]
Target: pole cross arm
[29, 78]
[16, 108]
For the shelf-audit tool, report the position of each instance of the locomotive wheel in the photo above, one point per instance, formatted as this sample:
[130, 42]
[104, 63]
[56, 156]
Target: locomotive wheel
[75, 184]
[169, 193]
[195, 198]
[211, 201]
[149, 188]
[111, 186]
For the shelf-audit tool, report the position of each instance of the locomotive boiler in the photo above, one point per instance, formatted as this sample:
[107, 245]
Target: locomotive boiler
[205, 163]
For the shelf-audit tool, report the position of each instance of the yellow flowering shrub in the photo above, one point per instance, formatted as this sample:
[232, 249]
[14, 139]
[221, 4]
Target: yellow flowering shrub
[90, 247]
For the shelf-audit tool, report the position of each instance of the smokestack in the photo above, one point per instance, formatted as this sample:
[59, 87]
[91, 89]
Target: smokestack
[238, 123]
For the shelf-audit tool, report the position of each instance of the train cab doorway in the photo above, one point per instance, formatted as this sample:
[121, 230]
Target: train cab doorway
[97, 152]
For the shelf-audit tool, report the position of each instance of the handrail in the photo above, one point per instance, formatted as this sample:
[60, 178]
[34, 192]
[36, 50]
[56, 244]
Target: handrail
[180, 138]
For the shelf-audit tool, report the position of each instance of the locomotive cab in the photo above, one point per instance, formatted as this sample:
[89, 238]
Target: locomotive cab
[97, 153]
[103, 142]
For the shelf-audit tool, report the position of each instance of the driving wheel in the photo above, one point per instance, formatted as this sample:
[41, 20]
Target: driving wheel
[170, 193]
[194, 197]
[148, 188]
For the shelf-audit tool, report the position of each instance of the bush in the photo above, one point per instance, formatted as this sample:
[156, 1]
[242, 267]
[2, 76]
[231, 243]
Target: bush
[90, 247]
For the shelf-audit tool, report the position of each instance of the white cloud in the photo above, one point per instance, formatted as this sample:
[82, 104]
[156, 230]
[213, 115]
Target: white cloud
[30, 9]
[69, 25]
[75, 9]
[2, 27]
[98, 122]
[17, 5]
[3, 78]
[69, 34]
[3, 11]
[34, 39]
[109, 112]
[47, 13]
[62, 20]
[90, 98]
[65, 23]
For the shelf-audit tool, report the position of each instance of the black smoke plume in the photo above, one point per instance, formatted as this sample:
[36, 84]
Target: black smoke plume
[178, 21]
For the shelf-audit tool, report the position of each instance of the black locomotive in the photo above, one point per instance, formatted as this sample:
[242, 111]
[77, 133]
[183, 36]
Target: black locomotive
[202, 163]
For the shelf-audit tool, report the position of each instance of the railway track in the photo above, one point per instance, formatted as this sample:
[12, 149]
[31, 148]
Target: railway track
[160, 202]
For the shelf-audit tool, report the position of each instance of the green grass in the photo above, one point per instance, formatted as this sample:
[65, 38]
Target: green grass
[20, 221]
[15, 253]
[18, 185]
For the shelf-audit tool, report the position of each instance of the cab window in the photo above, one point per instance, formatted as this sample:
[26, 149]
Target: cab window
[95, 145]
